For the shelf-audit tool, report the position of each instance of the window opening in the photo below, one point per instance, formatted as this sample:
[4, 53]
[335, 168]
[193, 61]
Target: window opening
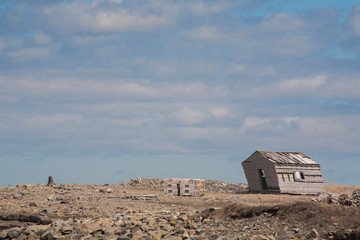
[299, 175]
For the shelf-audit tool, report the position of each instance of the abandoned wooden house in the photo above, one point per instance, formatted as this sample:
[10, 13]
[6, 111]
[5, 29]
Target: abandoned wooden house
[184, 187]
[283, 172]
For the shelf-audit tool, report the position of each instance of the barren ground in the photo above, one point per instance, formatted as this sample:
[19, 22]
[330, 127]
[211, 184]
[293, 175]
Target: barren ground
[79, 211]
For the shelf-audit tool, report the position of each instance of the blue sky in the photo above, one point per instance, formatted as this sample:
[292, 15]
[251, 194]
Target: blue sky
[104, 91]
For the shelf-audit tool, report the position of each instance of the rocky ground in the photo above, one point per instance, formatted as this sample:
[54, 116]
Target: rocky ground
[139, 210]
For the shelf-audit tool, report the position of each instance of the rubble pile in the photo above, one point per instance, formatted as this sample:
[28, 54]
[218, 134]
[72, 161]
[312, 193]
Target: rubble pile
[210, 185]
[184, 187]
[356, 197]
[147, 182]
[341, 199]
[225, 187]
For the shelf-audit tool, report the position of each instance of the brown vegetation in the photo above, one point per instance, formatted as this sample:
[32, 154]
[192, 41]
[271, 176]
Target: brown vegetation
[305, 213]
[336, 188]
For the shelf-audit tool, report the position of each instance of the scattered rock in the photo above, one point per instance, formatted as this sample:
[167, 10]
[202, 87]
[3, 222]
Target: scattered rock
[147, 182]
[114, 212]
[341, 199]
[313, 234]
[107, 190]
[218, 186]
[14, 233]
[356, 197]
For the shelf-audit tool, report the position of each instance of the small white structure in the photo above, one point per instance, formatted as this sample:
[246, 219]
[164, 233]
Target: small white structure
[184, 187]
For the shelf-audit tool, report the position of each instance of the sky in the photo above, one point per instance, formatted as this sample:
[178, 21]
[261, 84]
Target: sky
[102, 91]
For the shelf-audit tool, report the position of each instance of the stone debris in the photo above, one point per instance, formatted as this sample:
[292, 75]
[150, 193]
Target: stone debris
[146, 182]
[209, 185]
[341, 199]
[356, 197]
[224, 187]
[79, 211]
[141, 197]
[106, 190]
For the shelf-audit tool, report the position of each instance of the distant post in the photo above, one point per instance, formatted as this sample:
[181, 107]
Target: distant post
[51, 181]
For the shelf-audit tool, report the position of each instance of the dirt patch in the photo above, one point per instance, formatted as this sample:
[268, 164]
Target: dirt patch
[305, 212]
[322, 216]
[238, 211]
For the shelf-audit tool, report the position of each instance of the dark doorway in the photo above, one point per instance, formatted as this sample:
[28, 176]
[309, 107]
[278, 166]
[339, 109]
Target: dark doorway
[178, 189]
[262, 179]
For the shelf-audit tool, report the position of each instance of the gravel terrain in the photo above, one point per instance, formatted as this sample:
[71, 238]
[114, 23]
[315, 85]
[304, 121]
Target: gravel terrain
[138, 210]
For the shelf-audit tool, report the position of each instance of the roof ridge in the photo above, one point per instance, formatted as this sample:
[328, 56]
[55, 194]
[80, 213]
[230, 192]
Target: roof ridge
[287, 157]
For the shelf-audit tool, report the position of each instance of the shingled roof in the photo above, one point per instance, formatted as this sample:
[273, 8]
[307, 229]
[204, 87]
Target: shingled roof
[297, 158]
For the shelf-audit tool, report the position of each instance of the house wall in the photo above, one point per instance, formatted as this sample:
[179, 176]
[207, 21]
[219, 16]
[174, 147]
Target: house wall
[313, 182]
[251, 168]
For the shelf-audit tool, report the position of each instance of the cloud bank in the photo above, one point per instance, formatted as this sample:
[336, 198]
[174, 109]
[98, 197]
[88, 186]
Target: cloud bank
[168, 84]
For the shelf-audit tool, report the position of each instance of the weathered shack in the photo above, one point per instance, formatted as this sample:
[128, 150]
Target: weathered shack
[283, 172]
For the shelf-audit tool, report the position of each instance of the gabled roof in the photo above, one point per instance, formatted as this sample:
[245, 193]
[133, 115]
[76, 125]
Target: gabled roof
[287, 157]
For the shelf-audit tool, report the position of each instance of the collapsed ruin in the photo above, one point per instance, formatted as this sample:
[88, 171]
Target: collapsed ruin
[184, 187]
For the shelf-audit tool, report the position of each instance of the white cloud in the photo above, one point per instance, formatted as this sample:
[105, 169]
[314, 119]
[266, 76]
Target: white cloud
[320, 133]
[205, 8]
[84, 17]
[2, 45]
[281, 22]
[42, 39]
[41, 86]
[219, 112]
[78, 88]
[188, 115]
[28, 54]
[322, 126]
[9, 98]
[354, 20]
[297, 87]
[175, 76]
[238, 68]
[192, 89]
[122, 21]
[12, 44]
[253, 70]
[54, 120]
[338, 133]
[208, 34]
[162, 146]
[344, 86]
[270, 37]
[250, 122]
[303, 84]
[211, 135]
